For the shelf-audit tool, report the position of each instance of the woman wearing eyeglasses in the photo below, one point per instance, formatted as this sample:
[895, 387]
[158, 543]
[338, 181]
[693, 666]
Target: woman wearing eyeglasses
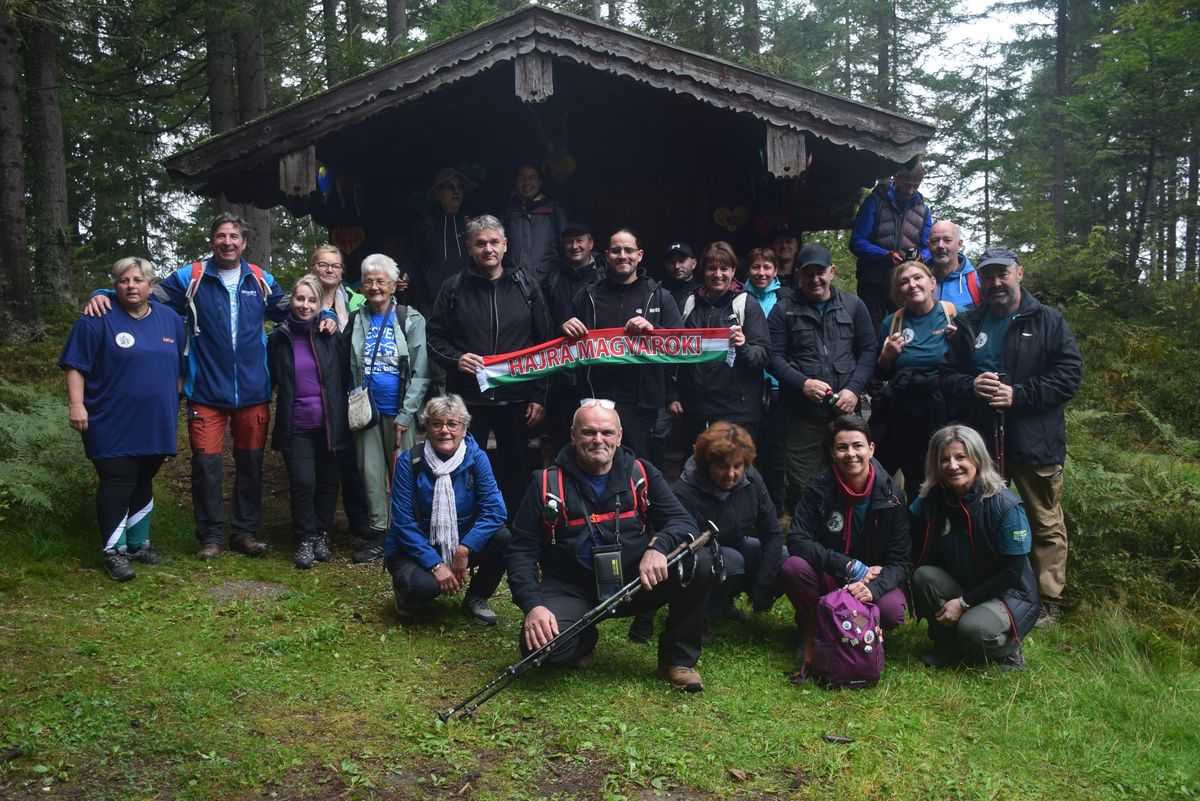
[447, 517]
[328, 266]
[389, 357]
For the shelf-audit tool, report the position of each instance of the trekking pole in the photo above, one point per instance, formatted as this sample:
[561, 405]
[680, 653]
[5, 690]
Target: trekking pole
[999, 436]
[467, 706]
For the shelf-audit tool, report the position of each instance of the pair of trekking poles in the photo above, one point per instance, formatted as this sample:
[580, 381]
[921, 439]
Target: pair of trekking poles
[534, 658]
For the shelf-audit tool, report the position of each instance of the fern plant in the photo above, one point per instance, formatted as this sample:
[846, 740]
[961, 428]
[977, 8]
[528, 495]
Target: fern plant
[43, 469]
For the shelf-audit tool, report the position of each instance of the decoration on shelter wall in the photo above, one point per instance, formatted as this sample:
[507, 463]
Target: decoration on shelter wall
[766, 222]
[731, 219]
[348, 237]
[560, 164]
[324, 182]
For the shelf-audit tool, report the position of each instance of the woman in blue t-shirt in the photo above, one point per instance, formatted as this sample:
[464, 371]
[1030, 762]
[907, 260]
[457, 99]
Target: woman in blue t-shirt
[308, 373]
[973, 581]
[123, 378]
[911, 343]
[388, 355]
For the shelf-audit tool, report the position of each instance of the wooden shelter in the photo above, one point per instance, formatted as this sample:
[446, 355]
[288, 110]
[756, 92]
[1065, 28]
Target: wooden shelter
[629, 130]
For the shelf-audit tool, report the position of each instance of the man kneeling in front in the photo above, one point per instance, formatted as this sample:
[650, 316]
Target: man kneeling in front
[596, 519]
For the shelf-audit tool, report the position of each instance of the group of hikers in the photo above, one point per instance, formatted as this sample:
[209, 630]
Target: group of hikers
[840, 443]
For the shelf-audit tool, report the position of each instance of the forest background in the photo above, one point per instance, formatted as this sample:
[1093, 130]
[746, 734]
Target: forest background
[1067, 129]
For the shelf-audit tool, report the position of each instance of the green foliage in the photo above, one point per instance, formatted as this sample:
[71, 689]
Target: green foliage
[42, 467]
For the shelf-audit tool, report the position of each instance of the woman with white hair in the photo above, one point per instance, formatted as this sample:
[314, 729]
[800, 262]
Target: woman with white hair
[387, 356]
[124, 371]
[447, 517]
[973, 581]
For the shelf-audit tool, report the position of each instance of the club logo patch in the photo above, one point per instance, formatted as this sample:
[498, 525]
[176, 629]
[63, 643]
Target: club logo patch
[835, 522]
[981, 340]
[125, 340]
[909, 335]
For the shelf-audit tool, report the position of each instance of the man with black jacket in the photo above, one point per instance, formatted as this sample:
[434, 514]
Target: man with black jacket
[599, 498]
[626, 298]
[1009, 369]
[481, 311]
[823, 353]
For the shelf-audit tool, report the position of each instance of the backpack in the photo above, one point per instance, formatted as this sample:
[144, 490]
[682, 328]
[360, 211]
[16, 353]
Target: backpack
[848, 652]
[739, 306]
[554, 506]
[193, 286]
[528, 290]
[948, 309]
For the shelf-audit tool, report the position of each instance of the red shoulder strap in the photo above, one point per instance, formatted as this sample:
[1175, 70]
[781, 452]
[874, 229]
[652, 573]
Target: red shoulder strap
[973, 286]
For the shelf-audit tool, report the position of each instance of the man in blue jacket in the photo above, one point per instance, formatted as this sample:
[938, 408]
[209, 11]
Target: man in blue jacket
[957, 280]
[225, 302]
[891, 224]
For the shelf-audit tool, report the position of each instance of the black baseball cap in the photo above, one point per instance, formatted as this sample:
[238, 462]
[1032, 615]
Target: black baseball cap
[782, 229]
[576, 229]
[680, 247]
[996, 257]
[813, 254]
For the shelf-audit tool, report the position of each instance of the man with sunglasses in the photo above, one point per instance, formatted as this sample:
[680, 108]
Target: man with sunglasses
[596, 519]
[626, 298]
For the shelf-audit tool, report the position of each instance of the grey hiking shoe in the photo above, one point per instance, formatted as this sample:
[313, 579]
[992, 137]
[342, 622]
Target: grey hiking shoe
[146, 555]
[116, 565]
[1014, 661]
[478, 608]
[321, 550]
[1049, 615]
[304, 555]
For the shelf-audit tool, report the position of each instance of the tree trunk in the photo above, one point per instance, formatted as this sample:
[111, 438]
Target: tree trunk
[1139, 226]
[397, 24]
[18, 312]
[1058, 177]
[883, 55]
[987, 158]
[597, 14]
[1190, 238]
[222, 97]
[329, 30]
[751, 40]
[52, 279]
[252, 102]
[614, 13]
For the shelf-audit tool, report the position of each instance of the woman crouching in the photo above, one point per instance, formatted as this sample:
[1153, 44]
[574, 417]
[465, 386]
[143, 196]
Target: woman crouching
[447, 516]
[973, 581]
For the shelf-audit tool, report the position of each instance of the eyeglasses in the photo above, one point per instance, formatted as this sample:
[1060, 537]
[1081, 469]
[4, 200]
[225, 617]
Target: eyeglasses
[617, 251]
[603, 403]
[377, 282]
[449, 425]
[327, 265]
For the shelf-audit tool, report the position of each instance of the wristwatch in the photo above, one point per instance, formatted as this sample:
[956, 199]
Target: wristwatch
[442, 564]
[965, 605]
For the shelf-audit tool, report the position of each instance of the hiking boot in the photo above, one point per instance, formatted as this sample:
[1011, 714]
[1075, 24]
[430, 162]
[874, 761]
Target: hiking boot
[405, 611]
[478, 608]
[683, 678]
[208, 551]
[146, 555]
[371, 551]
[1049, 615]
[304, 555]
[1014, 661]
[641, 629]
[116, 565]
[731, 612]
[940, 656]
[248, 546]
[321, 550]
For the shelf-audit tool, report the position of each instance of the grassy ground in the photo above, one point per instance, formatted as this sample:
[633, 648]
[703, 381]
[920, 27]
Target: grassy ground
[248, 679]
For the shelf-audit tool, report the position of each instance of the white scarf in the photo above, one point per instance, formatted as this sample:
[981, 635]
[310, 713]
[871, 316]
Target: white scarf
[443, 518]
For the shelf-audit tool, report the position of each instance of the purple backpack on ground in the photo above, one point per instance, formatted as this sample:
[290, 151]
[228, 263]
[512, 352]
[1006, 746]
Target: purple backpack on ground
[848, 651]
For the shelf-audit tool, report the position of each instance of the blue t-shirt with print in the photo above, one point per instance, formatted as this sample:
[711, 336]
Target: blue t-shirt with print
[924, 339]
[383, 377]
[131, 372]
[989, 342]
[953, 546]
[597, 483]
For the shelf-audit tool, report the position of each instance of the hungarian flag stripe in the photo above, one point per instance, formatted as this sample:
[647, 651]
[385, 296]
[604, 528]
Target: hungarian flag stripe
[604, 346]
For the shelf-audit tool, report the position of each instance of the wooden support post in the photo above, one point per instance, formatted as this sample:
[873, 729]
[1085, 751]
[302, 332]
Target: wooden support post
[786, 153]
[298, 172]
[535, 77]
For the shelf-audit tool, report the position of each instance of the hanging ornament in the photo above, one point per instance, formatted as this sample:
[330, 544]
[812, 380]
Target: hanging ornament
[324, 184]
[348, 237]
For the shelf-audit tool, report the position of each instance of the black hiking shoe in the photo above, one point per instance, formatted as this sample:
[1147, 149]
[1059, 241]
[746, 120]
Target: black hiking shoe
[940, 656]
[321, 550]
[116, 565]
[1014, 661]
[146, 555]
[304, 555]
[371, 551]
